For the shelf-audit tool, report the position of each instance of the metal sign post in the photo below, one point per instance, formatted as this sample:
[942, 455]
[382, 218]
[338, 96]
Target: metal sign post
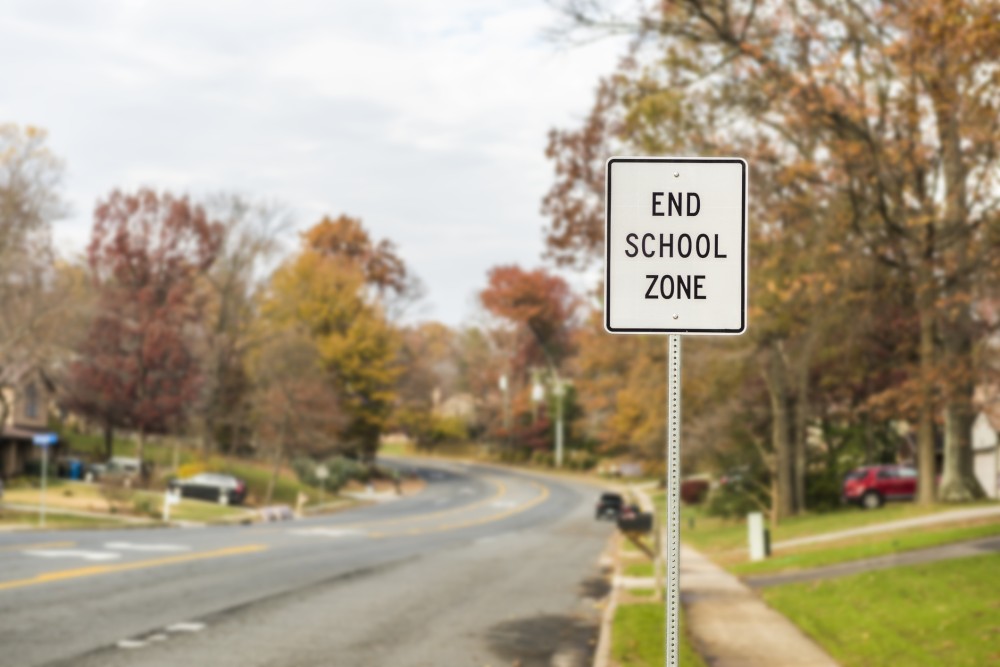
[673, 596]
[676, 251]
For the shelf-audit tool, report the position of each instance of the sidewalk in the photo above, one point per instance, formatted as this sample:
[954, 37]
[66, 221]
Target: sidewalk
[967, 514]
[732, 627]
[729, 625]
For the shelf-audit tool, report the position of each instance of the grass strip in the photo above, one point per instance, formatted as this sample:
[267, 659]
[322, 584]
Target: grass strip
[53, 520]
[638, 637]
[943, 613]
[639, 570]
[713, 536]
[871, 547]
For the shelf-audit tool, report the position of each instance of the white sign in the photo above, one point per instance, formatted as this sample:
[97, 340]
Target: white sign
[676, 245]
[322, 472]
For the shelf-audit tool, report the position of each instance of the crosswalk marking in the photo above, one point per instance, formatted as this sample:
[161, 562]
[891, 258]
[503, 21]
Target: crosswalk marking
[132, 546]
[323, 532]
[74, 553]
[186, 626]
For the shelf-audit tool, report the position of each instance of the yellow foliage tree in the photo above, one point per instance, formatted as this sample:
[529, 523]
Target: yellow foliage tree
[356, 345]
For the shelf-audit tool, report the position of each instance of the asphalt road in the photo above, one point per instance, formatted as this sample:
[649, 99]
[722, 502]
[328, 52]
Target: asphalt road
[486, 567]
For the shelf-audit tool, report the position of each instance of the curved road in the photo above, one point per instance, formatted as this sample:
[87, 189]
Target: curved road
[486, 567]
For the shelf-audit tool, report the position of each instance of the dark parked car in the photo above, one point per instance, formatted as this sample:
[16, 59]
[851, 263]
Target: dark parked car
[872, 486]
[212, 486]
[609, 505]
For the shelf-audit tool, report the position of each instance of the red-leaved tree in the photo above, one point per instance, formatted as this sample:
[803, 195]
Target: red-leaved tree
[136, 368]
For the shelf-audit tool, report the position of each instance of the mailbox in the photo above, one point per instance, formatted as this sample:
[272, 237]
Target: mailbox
[637, 522]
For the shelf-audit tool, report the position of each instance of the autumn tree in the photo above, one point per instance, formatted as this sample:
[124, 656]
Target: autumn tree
[429, 371]
[357, 346]
[536, 315]
[249, 234]
[136, 368]
[32, 303]
[296, 411]
[539, 306]
[384, 271]
[889, 112]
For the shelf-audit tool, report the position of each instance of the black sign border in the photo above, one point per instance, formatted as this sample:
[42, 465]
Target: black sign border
[607, 246]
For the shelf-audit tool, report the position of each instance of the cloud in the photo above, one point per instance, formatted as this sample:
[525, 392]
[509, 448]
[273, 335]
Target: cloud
[428, 120]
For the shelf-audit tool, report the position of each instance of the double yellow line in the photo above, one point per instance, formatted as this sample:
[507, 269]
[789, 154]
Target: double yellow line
[95, 570]
[501, 492]
[492, 518]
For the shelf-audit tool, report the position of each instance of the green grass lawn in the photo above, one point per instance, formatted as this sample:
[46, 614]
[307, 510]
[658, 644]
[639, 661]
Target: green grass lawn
[639, 570]
[945, 613]
[85, 497]
[868, 547]
[638, 637]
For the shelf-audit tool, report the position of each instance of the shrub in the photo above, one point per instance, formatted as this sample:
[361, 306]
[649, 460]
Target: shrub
[580, 460]
[341, 470]
[542, 458]
[731, 501]
[145, 505]
[116, 491]
[823, 490]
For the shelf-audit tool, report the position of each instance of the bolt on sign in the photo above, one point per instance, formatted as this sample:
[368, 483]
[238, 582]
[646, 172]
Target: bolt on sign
[676, 245]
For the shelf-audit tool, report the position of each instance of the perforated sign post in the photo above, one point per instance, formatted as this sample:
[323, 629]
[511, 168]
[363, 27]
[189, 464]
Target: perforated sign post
[676, 263]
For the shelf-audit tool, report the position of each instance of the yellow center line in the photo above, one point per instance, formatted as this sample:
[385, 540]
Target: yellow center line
[95, 570]
[537, 500]
[38, 545]
[501, 492]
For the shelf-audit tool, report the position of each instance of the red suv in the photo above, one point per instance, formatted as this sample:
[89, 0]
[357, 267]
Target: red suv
[871, 486]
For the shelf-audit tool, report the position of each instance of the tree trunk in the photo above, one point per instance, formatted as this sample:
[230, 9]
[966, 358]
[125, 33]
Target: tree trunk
[780, 441]
[275, 471]
[140, 451]
[279, 454]
[925, 428]
[801, 425]
[958, 481]
[109, 440]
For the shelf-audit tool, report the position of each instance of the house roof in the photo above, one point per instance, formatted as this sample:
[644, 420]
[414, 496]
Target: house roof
[19, 433]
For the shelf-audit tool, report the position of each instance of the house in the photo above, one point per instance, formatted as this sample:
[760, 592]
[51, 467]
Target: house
[986, 449]
[27, 395]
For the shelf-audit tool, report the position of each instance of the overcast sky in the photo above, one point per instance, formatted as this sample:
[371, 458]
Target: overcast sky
[425, 118]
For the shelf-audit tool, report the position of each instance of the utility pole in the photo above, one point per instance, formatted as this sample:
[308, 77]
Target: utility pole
[505, 388]
[560, 392]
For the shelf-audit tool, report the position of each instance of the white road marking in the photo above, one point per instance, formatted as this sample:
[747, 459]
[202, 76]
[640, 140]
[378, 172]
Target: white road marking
[158, 637]
[466, 491]
[323, 532]
[504, 503]
[131, 643]
[74, 553]
[186, 626]
[132, 546]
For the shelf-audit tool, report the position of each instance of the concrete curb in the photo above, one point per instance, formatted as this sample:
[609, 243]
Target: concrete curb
[602, 653]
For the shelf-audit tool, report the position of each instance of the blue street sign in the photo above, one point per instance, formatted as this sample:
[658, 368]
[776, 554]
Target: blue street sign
[45, 439]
